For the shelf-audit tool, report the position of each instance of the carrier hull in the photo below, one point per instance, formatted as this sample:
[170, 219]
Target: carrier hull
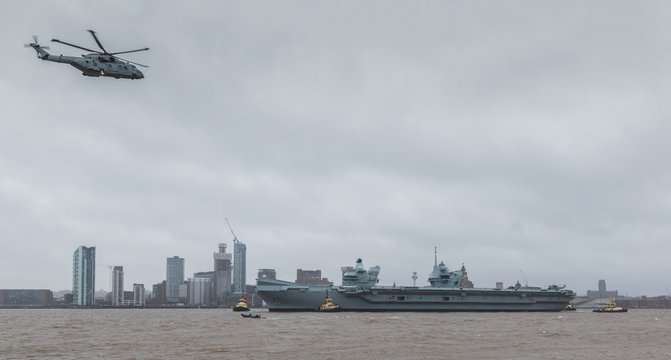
[286, 296]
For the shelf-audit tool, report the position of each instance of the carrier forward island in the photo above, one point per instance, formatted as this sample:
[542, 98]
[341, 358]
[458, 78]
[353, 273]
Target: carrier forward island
[359, 292]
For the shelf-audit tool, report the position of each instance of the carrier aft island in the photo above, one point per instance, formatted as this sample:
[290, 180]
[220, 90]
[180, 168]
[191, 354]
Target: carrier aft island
[359, 292]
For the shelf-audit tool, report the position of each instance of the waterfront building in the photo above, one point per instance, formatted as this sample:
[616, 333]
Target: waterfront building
[602, 292]
[25, 297]
[174, 276]
[465, 283]
[206, 296]
[184, 291]
[222, 272]
[239, 266]
[158, 293]
[128, 297]
[84, 276]
[266, 274]
[200, 291]
[117, 286]
[310, 277]
[138, 294]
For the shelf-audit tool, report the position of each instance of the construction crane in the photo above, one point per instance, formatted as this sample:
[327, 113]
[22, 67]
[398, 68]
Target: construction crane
[110, 269]
[526, 284]
[235, 238]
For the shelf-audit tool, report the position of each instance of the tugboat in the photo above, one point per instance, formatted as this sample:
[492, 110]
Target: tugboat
[570, 307]
[328, 305]
[610, 308]
[241, 305]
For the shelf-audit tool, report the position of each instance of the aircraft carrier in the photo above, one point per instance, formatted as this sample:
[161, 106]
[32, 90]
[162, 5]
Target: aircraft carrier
[359, 292]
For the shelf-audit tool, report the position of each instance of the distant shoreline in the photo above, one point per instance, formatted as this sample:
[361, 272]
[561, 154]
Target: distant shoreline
[120, 307]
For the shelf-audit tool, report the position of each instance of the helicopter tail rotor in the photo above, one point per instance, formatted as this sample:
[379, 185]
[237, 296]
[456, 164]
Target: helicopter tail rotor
[35, 44]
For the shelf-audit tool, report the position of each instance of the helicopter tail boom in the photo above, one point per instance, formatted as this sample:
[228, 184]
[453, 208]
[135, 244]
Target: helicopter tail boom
[41, 53]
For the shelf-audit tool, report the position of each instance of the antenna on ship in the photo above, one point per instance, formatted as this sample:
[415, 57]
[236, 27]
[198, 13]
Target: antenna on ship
[414, 278]
[235, 238]
[435, 256]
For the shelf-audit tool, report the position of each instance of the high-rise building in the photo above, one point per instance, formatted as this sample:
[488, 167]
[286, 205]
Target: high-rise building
[239, 266]
[174, 275]
[266, 274]
[158, 293]
[84, 276]
[222, 273]
[201, 288]
[117, 286]
[138, 294]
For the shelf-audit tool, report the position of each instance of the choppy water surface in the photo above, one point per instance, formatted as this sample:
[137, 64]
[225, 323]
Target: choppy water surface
[223, 334]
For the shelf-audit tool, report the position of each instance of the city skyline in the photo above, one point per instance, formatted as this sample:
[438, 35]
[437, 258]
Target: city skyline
[202, 285]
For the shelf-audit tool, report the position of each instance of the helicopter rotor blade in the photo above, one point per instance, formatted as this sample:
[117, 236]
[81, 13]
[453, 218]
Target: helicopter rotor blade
[129, 51]
[35, 39]
[76, 46]
[98, 41]
[132, 62]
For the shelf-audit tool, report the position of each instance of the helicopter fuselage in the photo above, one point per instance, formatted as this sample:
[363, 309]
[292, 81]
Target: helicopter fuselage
[98, 65]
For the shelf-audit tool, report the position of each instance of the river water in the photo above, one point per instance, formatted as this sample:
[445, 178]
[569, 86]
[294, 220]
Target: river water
[223, 334]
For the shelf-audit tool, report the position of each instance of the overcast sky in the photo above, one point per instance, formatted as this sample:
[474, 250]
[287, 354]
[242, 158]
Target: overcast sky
[515, 136]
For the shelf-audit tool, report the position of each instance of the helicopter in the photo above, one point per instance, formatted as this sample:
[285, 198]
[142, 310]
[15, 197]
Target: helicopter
[95, 64]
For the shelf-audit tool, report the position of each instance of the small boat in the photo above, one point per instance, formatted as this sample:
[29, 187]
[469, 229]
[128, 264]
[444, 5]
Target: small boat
[329, 306]
[610, 308]
[570, 306]
[241, 305]
[250, 316]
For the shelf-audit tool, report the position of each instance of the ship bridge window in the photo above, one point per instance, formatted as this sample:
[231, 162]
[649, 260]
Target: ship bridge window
[446, 298]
